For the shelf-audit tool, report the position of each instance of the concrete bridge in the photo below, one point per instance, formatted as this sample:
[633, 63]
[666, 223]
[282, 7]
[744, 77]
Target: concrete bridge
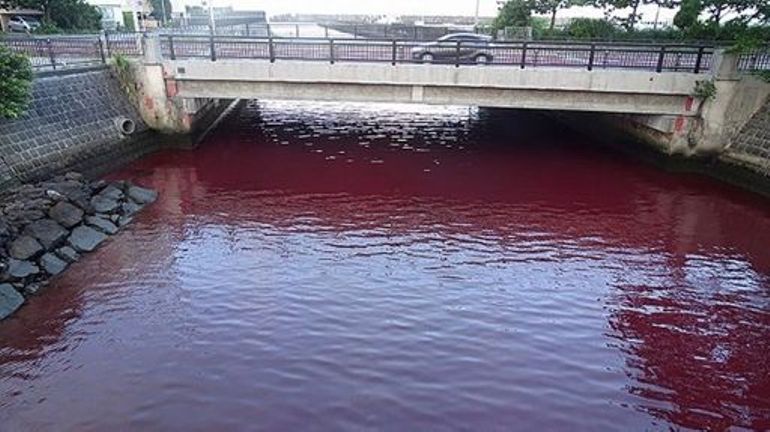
[682, 99]
[627, 79]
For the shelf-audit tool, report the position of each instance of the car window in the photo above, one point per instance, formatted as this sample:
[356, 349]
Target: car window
[15, 19]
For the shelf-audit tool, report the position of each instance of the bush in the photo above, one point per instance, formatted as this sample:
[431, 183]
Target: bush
[16, 71]
[590, 28]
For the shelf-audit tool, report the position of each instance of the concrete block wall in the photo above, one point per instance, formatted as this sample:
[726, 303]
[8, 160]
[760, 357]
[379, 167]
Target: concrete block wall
[752, 145]
[69, 124]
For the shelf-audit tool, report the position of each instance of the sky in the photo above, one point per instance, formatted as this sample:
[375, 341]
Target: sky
[393, 7]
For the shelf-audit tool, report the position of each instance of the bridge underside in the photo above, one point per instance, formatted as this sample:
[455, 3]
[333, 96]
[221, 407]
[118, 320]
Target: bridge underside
[628, 92]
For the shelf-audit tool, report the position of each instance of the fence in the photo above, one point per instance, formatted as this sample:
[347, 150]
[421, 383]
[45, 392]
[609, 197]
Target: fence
[755, 60]
[662, 58]
[57, 52]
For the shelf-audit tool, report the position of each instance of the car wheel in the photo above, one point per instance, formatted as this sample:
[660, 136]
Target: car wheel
[483, 59]
[427, 58]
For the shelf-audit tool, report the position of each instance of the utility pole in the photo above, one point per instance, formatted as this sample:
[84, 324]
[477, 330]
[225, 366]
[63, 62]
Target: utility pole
[476, 20]
[163, 11]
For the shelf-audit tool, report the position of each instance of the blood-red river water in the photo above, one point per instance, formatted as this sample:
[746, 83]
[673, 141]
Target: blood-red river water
[316, 266]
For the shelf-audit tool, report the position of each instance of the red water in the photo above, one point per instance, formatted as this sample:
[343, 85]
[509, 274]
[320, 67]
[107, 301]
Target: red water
[355, 267]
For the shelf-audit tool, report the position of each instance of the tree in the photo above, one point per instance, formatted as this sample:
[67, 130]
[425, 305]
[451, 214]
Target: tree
[514, 13]
[687, 16]
[551, 7]
[64, 14]
[159, 7]
[16, 71]
[630, 20]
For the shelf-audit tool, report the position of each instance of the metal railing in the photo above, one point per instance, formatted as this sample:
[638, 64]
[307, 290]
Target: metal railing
[660, 58]
[58, 52]
[756, 60]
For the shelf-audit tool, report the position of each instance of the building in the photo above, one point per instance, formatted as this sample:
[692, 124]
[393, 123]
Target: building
[129, 15]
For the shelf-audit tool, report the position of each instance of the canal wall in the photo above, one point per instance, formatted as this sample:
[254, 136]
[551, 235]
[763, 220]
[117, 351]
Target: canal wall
[74, 121]
[751, 147]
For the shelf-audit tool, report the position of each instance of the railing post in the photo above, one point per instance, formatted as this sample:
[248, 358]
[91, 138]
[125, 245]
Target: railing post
[101, 50]
[457, 54]
[51, 55]
[326, 32]
[523, 55]
[213, 48]
[271, 49]
[248, 30]
[591, 57]
[661, 56]
[331, 51]
[699, 59]
[394, 53]
[355, 31]
[107, 42]
[171, 50]
[296, 30]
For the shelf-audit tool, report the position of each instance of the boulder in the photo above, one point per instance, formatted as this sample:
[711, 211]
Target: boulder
[67, 254]
[66, 214]
[25, 247]
[85, 239]
[77, 192]
[103, 224]
[129, 208]
[142, 196]
[104, 204]
[10, 300]
[47, 231]
[32, 288]
[18, 269]
[125, 220]
[52, 264]
[112, 192]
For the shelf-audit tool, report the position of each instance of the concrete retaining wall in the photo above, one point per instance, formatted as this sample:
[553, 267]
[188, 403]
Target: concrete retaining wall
[751, 147]
[70, 124]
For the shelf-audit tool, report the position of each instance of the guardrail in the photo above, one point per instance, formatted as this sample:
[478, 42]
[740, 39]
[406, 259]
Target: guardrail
[755, 60]
[58, 52]
[660, 58]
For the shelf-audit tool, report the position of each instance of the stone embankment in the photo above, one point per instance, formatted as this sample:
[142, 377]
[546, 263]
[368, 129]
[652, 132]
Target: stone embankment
[45, 227]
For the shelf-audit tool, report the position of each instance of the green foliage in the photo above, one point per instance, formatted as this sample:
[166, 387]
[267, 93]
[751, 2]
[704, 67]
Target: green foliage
[64, 14]
[688, 13]
[551, 7]
[48, 28]
[705, 90]
[591, 28]
[16, 71]
[125, 73]
[158, 7]
[514, 13]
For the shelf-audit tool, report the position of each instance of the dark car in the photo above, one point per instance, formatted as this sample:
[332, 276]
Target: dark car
[472, 48]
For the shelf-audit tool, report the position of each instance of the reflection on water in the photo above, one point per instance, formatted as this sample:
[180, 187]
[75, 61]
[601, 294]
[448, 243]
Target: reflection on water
[328, 266]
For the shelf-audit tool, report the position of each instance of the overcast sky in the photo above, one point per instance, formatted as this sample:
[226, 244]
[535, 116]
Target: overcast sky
[390, 7]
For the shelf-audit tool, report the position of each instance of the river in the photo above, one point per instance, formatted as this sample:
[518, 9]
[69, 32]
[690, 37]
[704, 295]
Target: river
[320, 266]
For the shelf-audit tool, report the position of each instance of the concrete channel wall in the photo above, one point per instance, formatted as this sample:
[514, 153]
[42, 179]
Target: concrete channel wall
[71, 123]
[751, 147]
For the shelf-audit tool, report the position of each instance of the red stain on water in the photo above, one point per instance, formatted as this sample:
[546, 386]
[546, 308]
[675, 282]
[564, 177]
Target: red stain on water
[348, 267]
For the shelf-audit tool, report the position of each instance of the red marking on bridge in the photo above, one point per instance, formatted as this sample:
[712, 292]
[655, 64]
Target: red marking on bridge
[688, 103]
[679, 124]
[149, 103]
[171, 88]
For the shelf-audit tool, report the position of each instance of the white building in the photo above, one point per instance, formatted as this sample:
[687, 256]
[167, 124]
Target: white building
[122, 14]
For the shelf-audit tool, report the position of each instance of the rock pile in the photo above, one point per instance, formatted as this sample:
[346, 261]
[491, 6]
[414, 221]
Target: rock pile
[45, 227]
